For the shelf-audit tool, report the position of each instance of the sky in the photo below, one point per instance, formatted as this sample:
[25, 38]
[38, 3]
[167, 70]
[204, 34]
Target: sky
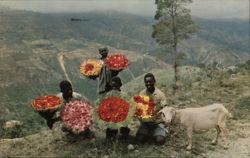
[199, 8]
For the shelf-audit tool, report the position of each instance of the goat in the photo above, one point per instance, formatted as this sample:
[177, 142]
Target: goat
[203, 118]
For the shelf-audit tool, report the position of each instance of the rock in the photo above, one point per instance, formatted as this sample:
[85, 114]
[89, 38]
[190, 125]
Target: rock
[105, 156]
[193, 100]
[12, 124]
[131, 147]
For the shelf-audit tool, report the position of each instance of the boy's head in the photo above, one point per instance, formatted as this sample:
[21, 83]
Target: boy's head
[149, 81]
[66, 89]
[103, 52]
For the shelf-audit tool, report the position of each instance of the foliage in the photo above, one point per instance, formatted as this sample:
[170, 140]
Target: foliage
[245, 65]
[174, 22]
[174, 25]
[242, 108]
[15, 132]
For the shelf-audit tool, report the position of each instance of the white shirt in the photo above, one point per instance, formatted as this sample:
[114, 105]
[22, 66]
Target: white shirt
[75, 95]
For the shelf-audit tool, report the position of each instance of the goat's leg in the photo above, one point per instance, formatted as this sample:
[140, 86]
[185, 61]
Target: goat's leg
[189, 135]
[223, 134]
[215, 141]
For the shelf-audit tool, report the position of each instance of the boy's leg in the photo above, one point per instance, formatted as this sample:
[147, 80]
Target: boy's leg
[159, 134]
[89, 134]
[124, 131]
[48, 116]
[111, 133]
[142, 133]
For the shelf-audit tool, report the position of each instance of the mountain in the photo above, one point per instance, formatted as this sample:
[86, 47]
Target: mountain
[225, 41]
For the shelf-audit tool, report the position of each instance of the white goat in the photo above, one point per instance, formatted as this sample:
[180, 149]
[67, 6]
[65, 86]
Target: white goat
[203, 118]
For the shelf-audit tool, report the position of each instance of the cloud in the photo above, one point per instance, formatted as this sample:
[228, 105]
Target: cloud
[221, 8]
[200, 8]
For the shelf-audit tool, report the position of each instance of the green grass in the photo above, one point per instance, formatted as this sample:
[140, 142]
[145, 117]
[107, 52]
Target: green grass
[192, 93]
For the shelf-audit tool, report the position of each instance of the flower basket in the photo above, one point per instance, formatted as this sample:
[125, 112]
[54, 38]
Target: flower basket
[76, 115]
[46, 103]
[91, 68]
[114, 111]
[144, 107]
[116, 62]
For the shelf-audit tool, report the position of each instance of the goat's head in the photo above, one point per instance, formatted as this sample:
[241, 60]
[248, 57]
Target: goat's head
[167, 114]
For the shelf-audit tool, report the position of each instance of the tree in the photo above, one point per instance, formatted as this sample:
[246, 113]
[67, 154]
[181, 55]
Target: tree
[174, 25]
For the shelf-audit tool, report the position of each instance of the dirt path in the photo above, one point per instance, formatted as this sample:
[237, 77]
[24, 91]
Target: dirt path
[60, 59]
[238, 147]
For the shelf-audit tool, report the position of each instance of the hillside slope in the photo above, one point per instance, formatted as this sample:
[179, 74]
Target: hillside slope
[43, 64]
[231, 90]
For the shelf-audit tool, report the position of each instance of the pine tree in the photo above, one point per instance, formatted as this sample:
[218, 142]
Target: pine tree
[174, 25]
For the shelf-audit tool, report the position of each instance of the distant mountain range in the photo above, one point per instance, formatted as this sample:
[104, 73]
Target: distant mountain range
[225, 41]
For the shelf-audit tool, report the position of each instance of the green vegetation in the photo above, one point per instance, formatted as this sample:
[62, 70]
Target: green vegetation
[194, 93]
[174, 25]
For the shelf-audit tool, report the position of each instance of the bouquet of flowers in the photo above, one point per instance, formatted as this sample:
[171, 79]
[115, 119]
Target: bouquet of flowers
[91, 68]
[114, 112]
[46, 103]
[144, 107]
[113, 109]
[76, 115]
[116, 61]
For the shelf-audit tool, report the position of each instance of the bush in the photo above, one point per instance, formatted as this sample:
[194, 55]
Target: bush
[10, 132]
[242, 109]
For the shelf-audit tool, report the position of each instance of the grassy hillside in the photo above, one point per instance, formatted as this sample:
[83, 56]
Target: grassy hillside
[198, 89]
[26, 76]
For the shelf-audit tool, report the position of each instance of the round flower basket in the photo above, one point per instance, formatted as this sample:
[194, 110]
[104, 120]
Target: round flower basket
[76, 115]
[144, 107]
[114, 112]
[46, 103]
[91, 68]
[116, 62]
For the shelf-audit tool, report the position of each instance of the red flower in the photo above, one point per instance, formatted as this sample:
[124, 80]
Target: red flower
[138, 112]
[151, 111]
[116, 61]
[89, 67]
[145, 106]
[47, 102]
[138, 99]
[76, 115]
[113, 109]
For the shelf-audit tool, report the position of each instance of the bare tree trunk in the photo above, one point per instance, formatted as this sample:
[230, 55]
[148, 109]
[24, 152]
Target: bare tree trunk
[176, 72]
[175, 64]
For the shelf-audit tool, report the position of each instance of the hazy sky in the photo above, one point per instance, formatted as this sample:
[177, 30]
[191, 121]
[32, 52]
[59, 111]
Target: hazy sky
[200, 8]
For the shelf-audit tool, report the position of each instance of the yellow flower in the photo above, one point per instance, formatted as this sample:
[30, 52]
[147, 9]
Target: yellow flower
[90, 67]
[142, 105]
